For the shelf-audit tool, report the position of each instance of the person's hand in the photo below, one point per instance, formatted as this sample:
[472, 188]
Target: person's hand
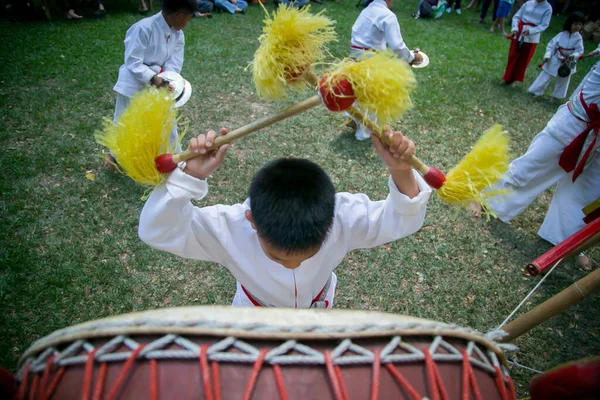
[157, 81]
[525, 32]
[233, 1]
[545, 60]
[394, 156]
[418, 58]
[207, 160]
[513, 34]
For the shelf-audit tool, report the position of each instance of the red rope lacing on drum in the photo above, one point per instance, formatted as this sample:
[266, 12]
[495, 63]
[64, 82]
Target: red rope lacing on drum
[500, 384]
[114, 392]
[205, 372]
[100, 383]
[87, 375]
[435, 380]
[335, 375]
[468, 379]
[46, 377]
[153, 379]
[254, 374]
[403, 382]
[216, 379]
[23, 386]
[279, 382]
[34, 387]
[376, 375]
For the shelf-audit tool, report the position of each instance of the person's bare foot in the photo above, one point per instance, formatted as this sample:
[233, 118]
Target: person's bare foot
[585, 262]
[512, 84]
[110, 163]
[71, 15]
[476, 209]
[504, 33]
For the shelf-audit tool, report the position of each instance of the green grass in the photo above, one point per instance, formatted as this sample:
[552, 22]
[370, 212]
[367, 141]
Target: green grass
[69, 250]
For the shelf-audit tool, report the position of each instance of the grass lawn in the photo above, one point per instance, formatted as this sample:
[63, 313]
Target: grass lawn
[69, 250]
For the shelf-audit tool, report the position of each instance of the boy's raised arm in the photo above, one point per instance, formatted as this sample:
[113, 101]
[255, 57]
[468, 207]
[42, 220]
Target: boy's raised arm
[170, 222]
[366, 223]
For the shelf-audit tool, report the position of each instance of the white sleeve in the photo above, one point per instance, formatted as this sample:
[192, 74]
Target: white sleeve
[170, 222]
[578, 48]
[517, 17]
[543, 25]
[366, 223]
[552, 45]
[393, 38]
[136, 42]
[175, 62]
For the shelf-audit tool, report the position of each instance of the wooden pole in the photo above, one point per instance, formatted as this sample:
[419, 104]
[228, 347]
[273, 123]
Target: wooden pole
[553, 306]
[253, 127]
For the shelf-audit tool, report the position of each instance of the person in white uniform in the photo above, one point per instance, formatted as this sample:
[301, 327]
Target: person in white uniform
[565, 48]
[594, 53]
[284, 242]
[566, 152]
[152, 45]
[377, 28]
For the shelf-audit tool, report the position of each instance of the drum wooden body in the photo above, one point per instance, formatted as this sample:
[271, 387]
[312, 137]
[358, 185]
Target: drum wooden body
[262, 353]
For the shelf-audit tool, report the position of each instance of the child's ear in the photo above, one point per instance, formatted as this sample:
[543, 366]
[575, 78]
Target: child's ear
[248, 215]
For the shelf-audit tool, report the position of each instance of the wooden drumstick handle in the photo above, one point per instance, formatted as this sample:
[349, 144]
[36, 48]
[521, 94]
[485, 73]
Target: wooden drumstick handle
[254, 126]
[168, 162]
[433, 176]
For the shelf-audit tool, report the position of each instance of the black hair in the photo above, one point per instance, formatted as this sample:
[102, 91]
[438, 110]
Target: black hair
[292, 203]
[577, 16]
[183, 6]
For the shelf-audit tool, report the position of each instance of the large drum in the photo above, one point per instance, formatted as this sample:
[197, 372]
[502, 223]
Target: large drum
[264, 353]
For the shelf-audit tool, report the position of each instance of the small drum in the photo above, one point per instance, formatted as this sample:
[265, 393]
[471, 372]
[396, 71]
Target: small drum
[264, 353]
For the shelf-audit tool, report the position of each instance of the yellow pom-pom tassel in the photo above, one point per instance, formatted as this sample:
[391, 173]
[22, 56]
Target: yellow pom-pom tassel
[292, 41]
[142, 134]
[382, 84]
[479, 169]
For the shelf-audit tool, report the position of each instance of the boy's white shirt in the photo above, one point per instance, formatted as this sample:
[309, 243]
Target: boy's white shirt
[223, 235]
[150, 44]
[535, 13]
[564, 40]
[591, 95]
[377, 28]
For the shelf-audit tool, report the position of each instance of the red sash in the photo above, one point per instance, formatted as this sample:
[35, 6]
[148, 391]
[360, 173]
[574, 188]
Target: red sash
[317, 302]
[570, 155]
[520, 28]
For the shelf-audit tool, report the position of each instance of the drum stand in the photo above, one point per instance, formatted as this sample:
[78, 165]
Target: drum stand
[570, 247]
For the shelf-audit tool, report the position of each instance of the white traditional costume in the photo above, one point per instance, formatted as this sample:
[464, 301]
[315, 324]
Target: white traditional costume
[377, 28]
[223, 235]
[566, 48]
[585, 78]
[151, 47]
[534, 17]
[566, 151]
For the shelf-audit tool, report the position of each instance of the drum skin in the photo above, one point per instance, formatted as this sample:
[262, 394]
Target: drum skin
[260, 353]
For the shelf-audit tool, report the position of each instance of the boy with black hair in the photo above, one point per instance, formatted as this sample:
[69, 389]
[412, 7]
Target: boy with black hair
[283, 243]
[152, 45]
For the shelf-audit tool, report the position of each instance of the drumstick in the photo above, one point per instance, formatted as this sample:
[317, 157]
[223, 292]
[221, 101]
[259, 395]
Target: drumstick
[433, 176]
[168, 162]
